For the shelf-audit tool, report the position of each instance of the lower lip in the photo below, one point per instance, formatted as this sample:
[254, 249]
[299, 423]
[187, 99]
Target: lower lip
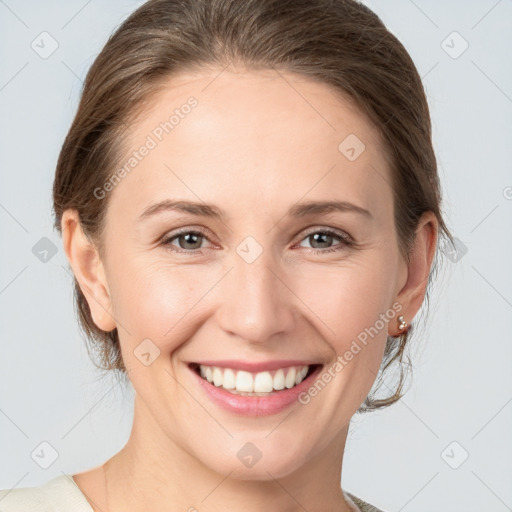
[255, 405]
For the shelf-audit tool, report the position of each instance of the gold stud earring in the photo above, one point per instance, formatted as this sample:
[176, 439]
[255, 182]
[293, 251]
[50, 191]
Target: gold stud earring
[402, 324]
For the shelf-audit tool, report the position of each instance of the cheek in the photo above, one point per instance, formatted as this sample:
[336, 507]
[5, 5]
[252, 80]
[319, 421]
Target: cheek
[349, 299]
[159, 302]
[168, 303]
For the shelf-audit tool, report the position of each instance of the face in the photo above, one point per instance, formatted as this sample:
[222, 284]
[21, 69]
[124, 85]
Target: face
[254, 279]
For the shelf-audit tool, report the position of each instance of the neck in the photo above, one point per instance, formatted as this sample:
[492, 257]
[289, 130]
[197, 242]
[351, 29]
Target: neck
[153, 472]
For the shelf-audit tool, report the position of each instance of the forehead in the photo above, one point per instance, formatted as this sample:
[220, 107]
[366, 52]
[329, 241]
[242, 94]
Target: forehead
[266, 134]
[280, 100]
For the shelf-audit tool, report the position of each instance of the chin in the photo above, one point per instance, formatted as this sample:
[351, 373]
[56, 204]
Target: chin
[247, 462]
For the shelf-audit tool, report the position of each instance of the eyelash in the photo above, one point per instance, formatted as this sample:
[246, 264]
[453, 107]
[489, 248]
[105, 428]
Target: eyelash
[345, 240]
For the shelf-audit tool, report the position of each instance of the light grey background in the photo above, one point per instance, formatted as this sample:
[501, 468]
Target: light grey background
[409, 457]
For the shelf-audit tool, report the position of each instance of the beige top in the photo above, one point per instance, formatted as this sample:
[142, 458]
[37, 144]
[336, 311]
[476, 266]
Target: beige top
[61, 494]
[363, 506]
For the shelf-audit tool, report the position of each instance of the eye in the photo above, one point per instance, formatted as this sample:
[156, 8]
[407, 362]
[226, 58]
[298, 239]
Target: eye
[325, 237]
[188, 241]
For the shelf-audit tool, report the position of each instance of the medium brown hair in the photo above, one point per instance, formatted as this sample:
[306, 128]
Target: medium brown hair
[338, 42]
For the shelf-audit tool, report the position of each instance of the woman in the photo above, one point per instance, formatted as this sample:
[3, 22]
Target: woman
[249, 201]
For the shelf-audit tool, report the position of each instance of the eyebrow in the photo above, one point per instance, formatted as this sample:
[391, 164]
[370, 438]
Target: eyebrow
[209, 210]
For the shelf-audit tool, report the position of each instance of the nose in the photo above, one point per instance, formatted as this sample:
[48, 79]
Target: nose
[257, 304]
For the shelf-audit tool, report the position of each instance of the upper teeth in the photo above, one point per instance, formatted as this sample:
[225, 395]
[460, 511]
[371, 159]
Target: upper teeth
[261, 382]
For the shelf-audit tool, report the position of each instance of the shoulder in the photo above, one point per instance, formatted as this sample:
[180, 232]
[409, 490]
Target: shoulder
[363, 505]
[60, 494]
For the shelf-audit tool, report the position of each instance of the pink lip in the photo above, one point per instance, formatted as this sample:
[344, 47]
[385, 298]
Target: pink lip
[254, 405]
[251, 366]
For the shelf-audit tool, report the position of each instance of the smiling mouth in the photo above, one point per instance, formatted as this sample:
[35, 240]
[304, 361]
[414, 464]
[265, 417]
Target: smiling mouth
[240, 382]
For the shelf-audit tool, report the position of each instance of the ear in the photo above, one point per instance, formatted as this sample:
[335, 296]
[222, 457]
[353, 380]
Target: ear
[88, 269]
[417, 271]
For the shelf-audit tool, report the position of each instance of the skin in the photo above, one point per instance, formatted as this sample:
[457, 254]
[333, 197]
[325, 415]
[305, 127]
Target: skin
[257, 143]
